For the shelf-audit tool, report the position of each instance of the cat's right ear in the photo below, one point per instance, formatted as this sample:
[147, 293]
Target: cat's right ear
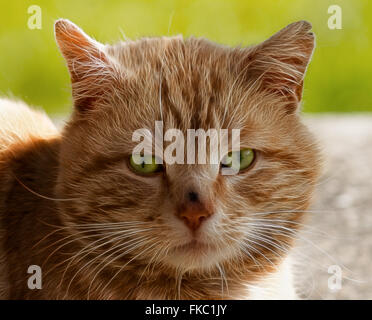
[91, 70]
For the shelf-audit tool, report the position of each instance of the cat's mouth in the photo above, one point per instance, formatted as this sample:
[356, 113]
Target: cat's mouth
[194, 246]
[196, 254]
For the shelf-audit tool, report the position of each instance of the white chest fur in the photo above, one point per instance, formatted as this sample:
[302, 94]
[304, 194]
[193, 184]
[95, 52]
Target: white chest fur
[275, 286]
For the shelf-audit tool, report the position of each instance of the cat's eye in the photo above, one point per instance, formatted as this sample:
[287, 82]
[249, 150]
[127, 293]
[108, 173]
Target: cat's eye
[241, 159]
[144, 164]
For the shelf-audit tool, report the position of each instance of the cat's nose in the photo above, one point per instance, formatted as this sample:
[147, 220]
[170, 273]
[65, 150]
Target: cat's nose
[194, 213]
[193, 218]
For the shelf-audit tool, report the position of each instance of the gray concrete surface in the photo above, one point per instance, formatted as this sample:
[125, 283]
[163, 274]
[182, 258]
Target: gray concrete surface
[340, 228]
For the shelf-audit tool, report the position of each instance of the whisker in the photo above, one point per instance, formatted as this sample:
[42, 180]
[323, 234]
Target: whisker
[122, 234]
[96, 258]
[38, 194]
[138, 255]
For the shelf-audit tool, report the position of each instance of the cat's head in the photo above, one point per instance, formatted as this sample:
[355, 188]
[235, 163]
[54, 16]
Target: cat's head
[187, 216]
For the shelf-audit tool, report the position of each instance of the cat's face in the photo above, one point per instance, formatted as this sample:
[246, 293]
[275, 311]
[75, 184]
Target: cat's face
[250, 217]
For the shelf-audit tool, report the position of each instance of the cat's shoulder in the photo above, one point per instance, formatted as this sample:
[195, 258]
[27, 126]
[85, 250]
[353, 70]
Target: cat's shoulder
[20, 123]
[29, 145]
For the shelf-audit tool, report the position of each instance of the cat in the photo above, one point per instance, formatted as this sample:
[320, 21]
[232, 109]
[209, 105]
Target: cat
[101, 227]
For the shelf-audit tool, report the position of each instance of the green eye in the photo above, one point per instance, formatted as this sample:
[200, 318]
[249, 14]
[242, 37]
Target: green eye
[243, 158]
[144, 164]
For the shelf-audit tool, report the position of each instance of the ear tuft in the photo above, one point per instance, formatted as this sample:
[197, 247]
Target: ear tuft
[296, 29]
[78, 48]
[90, 69]
[279, 63]
[68, 33]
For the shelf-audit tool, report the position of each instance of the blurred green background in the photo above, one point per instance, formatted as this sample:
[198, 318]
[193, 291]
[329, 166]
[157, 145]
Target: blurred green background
[338, 79]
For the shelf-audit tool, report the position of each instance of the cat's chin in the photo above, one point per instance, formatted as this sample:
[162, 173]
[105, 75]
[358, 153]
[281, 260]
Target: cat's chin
[195, 255]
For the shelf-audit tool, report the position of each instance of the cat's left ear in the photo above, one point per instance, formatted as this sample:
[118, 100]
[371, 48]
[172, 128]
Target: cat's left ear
[279, 64]
[91, 69]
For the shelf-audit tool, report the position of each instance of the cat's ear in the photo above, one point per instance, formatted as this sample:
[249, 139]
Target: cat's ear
[279, 63]
[91, 70]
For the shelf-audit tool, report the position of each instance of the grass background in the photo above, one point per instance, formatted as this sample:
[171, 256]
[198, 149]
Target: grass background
[338, 79]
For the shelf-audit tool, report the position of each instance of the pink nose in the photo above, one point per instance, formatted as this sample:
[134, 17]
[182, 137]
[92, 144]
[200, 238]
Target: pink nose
[194, 215]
